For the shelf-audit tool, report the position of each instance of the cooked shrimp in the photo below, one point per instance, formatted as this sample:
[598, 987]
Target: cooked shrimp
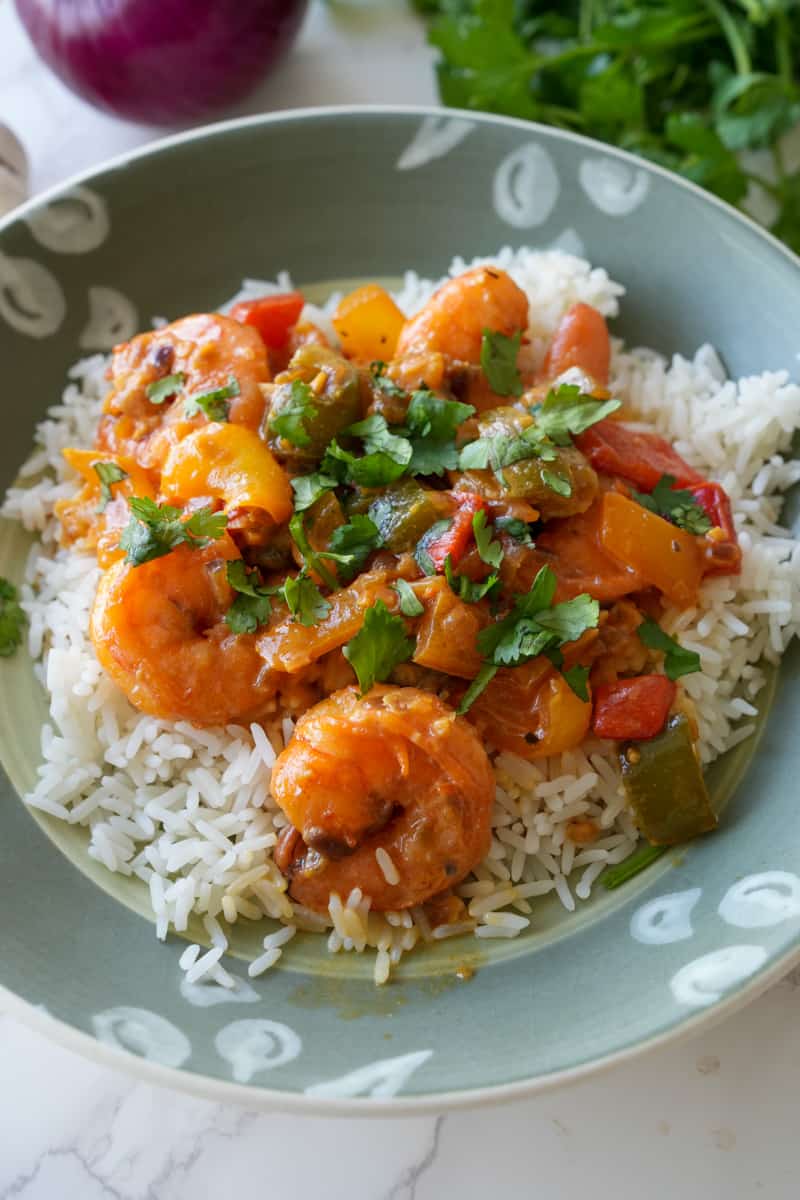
[396, 771]
[206, 349]
[159, 632]
[581, 340]
[455, 317]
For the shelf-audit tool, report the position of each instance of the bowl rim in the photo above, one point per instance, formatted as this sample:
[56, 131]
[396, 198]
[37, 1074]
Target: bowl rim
[271, 1099]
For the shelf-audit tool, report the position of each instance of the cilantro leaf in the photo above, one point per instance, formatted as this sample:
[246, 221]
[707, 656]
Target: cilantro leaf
[252, 606]
[489, 550]
[410, 606]
[108, 473]
[479, 684]
[308, 489]
[214, 403]
[312, 559]
[12, 619]
[378, 647]
[578, 677]
[354, 543]
[504, 449]
[565, 410]
[386, 456]
[556, 483]
[161, 389]
[292, 407]
[677, 505]
[515, 528]
[304, 600]
[432, 416]
[382, 381]
[155, 529]
[467, 589]
[677, 661]
[499, 362]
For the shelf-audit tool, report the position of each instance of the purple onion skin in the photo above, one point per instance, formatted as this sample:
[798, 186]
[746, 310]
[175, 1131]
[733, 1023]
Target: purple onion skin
[161, 62]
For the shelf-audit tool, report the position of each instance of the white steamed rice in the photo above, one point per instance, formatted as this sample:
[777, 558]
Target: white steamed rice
[188, 810]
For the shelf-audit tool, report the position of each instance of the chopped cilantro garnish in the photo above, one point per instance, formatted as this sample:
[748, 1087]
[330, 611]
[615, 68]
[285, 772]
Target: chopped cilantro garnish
[293, 407]
[410, 606]
[305, 601]
[252, 606]
[214, 403]
[161, 389]
[489, 549]
[534, 626]
[378, 647]
[515, 528]
[12, 619]
[353, 543]
[467, 589]
[499, 362]
[431, 423]
[565, 410]
[677, 660]
[312, 559]
[479, 684]
[556, 483]
[578, 677]
[386, 456]
[381, 380]
[631, 866]
[108, 473]
[677, 505]
[504, 449]
[156, 529]
[308, 489]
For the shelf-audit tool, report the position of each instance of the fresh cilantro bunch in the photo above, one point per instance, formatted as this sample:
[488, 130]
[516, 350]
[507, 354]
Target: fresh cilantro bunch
[686, 84]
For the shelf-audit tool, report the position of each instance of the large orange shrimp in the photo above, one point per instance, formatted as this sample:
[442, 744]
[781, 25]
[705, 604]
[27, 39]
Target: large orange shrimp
[159, 632]
[205, 350]
[395, 776]
[454, 319]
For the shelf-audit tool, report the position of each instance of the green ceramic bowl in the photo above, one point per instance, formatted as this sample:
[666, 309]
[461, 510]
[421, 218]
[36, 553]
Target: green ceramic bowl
[362, 193]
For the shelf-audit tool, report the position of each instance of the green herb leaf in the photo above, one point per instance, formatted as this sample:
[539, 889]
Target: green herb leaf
[382, 381]
[378, 647]
[489, 550]
[386, 456]
[156, 529]
[677, 661]
[161, 389]
[308, 489]
[469, 590]
[304, 600]
[478, 685]
[534, 625]
[556, 483]
[353, 543]
[108, 473]
[612, 877]
[12, 619]
[503, 450]
[566, 411]
[499, 362]
[677, 505]
[252, 606]
[515, 528]
[432, 416]
[289, 417]
[312, 559]
[410, 606]
[578, 678]
[214, 403]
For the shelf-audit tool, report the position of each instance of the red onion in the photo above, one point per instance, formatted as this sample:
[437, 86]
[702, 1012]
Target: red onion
[161, 61]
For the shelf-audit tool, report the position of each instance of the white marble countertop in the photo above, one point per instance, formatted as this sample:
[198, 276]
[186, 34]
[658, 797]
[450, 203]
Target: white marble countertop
[713, 1117]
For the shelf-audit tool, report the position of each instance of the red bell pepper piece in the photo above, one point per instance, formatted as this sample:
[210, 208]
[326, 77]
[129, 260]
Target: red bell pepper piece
[632, 708]
[723, 555]
[455, 540]
[642, 458]
[272, 316]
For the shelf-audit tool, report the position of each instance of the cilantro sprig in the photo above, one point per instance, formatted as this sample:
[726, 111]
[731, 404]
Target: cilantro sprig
[162, 389]
[108, 473]
[214, 403]
[292, 408]
[410, 605]
[566, 411]
[156, 529]
[12, 619]
[677, 660]
[676, 505]
[253, 604]
[534, 626]
[353, 543]
[379, 646]
[499, 361]
[386, 455]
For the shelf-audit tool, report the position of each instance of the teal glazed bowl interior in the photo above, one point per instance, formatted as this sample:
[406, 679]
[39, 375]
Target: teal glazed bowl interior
[364, 194]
